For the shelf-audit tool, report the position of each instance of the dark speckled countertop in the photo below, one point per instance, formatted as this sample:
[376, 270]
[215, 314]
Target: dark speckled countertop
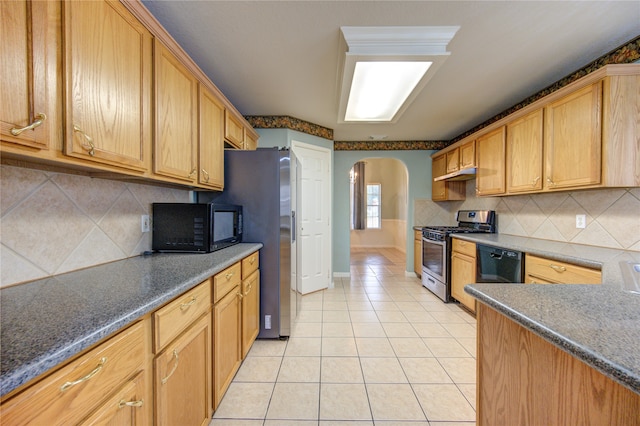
[598, 324]
[45, 322]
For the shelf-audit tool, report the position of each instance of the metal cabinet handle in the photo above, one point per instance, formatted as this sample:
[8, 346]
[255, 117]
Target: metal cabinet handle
[535, 181]
[173, 370]
[192, 173]
[206, 176]
[229, 275]
[550, 182]
[124, 403]
[189, 303]
[557, 268]
[92, 148]
[39, 119]
[252, 260]
[239, 294]
[95, 371]
[246, 293]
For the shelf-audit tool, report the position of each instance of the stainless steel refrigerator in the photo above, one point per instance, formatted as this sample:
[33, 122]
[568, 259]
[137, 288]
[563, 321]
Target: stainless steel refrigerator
[260, 181]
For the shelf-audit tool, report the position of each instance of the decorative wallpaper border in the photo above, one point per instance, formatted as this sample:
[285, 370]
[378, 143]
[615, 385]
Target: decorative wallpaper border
[388, 145]
[287, 122]
[625, 54]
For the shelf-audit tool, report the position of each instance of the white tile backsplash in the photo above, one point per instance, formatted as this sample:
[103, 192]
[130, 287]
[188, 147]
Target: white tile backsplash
[52, 223]
[613, 215]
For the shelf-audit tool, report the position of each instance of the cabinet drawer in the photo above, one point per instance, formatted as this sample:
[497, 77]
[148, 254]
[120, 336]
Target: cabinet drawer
[464, 247]
[171, 320]
[68, 395]
[417, 235]
[250, 264]
[225, 281]
[128, 406]
[560, 272]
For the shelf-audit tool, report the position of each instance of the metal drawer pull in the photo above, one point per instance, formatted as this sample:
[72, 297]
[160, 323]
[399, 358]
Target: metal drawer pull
[229, 275]
[173, 370]
[95, 371]
[124, 403]
[92, 147]
[557, 268]
[187, 304]
[39, 119]
[206, 176]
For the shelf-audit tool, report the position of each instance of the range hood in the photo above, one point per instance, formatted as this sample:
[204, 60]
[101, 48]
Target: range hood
[464, 174]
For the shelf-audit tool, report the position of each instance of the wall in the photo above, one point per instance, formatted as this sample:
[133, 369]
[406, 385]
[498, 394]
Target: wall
[613, 215]
[53, 223]
[391, 174]
[418, 164]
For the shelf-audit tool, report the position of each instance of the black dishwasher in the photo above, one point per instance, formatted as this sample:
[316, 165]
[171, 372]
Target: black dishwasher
[497, 265]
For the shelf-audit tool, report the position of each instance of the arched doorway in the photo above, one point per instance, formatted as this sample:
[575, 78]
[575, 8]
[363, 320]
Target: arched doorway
[382, 234]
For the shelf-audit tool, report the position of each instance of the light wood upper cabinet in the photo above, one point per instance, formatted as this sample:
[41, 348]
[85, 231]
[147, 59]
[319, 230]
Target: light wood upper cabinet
[573, 139]
[211, 141]
[176, 113]
[442, 190]
[27, 67]
[468, 155]
[250, 139]
[233, 130]
[524, 154]
[108, 84]
[490, 147]
[453, 160]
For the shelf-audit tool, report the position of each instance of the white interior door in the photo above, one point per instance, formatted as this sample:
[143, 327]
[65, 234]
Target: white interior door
[313, 200]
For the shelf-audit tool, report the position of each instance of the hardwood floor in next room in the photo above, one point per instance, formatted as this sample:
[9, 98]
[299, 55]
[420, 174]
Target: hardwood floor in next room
[377, 349]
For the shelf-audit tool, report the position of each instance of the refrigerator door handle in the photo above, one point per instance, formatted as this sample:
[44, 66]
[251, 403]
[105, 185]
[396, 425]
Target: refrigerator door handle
[293, 226]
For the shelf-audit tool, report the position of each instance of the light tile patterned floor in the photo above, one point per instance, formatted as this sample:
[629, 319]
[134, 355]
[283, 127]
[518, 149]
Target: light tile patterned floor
[378, 349]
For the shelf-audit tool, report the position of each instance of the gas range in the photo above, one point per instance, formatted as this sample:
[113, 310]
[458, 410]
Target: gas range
[436, 248]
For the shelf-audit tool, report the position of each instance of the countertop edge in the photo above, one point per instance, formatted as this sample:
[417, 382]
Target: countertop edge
[23, 374]
[614, 371]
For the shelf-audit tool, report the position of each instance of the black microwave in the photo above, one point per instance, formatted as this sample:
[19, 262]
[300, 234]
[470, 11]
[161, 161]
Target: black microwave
[195, 228]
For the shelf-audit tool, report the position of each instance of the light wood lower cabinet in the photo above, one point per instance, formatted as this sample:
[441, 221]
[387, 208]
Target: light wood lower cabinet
[525, 380]
[183, 378]
[539, 270]
[417, 253]
[87, 386]
[250, 301]
[227, 336]
[182, 366]
[463, 271]
[123, 407]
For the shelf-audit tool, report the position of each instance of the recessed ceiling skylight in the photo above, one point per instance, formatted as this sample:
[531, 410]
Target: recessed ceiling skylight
[384, 68]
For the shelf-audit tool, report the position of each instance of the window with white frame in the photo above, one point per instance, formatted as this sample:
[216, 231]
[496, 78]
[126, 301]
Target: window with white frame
[373, 205]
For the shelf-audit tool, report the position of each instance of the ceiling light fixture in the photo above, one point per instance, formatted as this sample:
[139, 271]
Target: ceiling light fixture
[384, 68]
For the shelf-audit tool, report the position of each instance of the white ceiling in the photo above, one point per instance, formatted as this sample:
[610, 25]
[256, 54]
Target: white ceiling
[281, 57]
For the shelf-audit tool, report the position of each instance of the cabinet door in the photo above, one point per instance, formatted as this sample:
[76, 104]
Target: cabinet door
[108, 84]
[250, 311]
[417, 253]
[211, 141]
[176, 118]
[573, 139]
[490, 148]
[250, 140]
[463, 272]
[128, 406]
[233, 130]
[453, 160]
[24, 66]
[524, 154]
[468, 155]
[439, 188]
[226, 343]
[183, 378]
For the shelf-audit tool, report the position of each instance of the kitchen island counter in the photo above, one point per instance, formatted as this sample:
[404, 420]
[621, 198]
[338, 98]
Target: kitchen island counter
[599, 325]
[48, 321]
